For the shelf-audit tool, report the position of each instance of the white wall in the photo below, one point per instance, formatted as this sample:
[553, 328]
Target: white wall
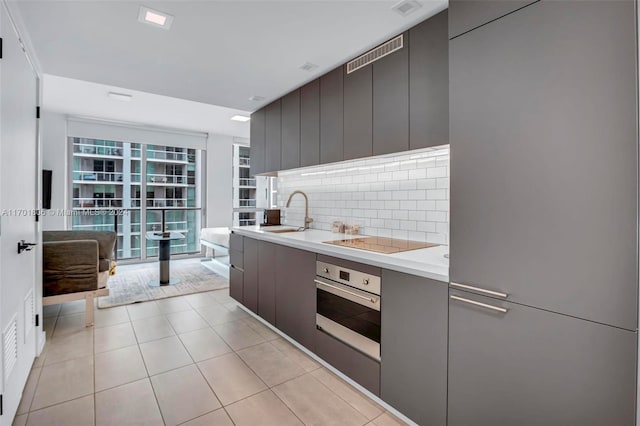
[403, 195]
[219, 179]
[54, 157]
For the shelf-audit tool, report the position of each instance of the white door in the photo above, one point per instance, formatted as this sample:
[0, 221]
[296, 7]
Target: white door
[18, 178]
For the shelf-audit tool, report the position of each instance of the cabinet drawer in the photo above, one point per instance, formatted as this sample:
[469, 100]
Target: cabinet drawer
[512, 364]
[236, 258]
[351, 362]
[236, 242]
[236, 283]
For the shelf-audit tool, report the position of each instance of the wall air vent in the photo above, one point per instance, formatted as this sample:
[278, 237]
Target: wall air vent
[374, 54]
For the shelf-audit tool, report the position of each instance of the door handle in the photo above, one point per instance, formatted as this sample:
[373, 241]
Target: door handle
[369, 299]
[22, 246]
[480, 290]
[482, 305]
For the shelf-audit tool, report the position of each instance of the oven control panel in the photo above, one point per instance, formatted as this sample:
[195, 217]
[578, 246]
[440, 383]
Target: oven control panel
[353, 278]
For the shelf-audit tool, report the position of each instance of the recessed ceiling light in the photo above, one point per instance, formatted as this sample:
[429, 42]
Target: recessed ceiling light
[308, 66]
[256, 98]
[155, 18]
[124, 97]
[241, 118]
[406, 7]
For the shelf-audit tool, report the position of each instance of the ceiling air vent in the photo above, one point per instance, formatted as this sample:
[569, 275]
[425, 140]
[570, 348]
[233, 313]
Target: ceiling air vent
[374, 54]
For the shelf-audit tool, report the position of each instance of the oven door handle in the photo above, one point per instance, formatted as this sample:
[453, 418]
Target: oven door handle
[368, 299]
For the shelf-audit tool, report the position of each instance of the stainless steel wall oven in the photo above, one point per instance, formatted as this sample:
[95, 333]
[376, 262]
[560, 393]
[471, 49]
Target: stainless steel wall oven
[348, 307]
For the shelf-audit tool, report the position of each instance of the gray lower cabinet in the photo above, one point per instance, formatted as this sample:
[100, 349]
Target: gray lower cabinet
[391, 101]
[236, 283]
[295, 294]
[267, 281]
[543, 125]
[236, 267]
[291, 131]
[250, 282]
[358, 114]
[530, 367]
[257, 141]
[429, 83]
[273, 136]
[349, 361]
[465, 15]
[331, 117]
[414, 347]
[310, 124]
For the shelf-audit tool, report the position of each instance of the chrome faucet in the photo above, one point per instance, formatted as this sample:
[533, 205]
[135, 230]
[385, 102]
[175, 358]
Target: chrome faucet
[307, 219]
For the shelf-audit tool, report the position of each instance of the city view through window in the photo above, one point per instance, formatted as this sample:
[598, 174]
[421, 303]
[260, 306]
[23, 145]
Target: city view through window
[132, 187]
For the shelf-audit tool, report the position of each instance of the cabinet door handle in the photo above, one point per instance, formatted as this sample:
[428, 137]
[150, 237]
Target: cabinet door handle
[236, 268]
[482, 305]
[369, 299]
[480, 290]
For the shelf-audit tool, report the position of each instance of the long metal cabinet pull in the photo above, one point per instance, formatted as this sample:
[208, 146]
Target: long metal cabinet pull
[480, 290]
[369, 299]
[483, 305]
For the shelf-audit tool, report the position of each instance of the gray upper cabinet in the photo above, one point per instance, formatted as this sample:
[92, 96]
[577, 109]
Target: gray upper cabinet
[296, 294]
[530, 367]
[465, 15]
[358, 113]
[414, 347]
[273, 136]
[543, 121]
[331, 116]
[250, 282]
[310, 124]
[391, 101]
[267, 281]
[429, 83]
[257, 141]
[291, 131]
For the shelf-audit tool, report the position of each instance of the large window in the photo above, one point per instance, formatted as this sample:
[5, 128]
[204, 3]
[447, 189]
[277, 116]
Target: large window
[111, 191]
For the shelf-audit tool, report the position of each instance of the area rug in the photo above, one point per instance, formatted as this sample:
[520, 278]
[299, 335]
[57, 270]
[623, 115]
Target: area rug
[130, 284]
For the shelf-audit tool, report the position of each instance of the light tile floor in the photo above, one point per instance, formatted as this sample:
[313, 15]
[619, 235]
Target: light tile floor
[192, 360]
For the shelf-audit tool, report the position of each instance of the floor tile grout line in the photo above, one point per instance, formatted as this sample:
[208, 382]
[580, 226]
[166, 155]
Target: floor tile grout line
[340, 396]
[287, 405]
[35, 389]
[155, 396]
[62, 402]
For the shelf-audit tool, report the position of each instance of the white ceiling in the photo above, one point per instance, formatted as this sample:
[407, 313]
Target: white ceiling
[217, 52]
[81, 98]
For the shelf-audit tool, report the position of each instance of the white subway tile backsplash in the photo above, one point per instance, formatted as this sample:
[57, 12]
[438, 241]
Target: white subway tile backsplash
[401, 196]
[417, 174]
[442, 183]
[400, 214]
[393, 185]
[408, 184]
[436, 194]
[408, 205]
[392, 205]
[418, 215]
[392, 224]
[437, 172]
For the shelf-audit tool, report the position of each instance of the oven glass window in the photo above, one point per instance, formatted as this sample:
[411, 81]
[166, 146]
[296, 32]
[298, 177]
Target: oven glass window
[361, 319]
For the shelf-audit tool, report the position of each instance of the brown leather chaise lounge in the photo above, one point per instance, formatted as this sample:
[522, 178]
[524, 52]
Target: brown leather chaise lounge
[76, 266]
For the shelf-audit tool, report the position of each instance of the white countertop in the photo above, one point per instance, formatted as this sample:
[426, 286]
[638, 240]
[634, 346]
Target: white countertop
[428, 262]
